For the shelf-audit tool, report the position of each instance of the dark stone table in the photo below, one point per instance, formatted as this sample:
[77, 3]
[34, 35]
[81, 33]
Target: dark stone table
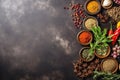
[37, 40]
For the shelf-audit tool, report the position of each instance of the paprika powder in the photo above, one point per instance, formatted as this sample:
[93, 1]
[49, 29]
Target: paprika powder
[85, 37]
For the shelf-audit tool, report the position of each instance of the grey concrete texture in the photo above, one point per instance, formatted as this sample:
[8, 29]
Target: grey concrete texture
[37, 40]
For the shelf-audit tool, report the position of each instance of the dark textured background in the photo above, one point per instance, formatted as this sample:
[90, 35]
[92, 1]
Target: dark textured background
[37, 40]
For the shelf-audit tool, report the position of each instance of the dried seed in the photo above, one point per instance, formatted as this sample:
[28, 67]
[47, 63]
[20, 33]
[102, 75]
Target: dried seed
[92, 63]
[77, 12]
[75, 71]
[82, 76]
[84, 70]
[85, 65]
[90, 71]
[79, 73]
[96, 61]
[80, 67]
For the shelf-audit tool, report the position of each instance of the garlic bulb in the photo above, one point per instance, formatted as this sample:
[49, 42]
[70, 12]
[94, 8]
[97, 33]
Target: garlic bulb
[106, 3]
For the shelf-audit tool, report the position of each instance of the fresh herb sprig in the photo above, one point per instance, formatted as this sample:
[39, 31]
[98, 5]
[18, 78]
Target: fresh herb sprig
[105, 76]
[99, 38]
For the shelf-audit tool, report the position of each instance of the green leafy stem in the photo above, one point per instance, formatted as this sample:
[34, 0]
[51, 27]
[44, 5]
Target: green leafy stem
[105, 76]
[99, 38]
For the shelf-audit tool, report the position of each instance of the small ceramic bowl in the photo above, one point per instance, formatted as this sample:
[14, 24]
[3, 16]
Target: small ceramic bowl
[91, 37]
[104, 56]
[80, 54]
[89, 17]
[90, 13]
[113, 66]
[106, 7]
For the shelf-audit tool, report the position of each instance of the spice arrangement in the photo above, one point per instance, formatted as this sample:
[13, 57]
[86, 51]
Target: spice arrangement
[100, 55]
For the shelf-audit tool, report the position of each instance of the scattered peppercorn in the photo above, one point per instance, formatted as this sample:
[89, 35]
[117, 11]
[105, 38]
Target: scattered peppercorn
[103, 17]
[85, 65]
[77, 14]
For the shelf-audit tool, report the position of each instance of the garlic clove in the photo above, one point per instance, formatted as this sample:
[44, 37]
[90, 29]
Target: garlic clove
[106, 3]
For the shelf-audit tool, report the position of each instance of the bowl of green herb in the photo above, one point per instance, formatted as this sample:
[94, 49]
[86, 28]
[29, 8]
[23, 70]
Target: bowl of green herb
[102, 51]
[84, 54]
[101, 41]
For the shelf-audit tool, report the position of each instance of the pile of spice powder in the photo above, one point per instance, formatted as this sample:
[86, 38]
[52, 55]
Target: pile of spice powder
[93, 6]
[85, 37]
[77, 14]
[109, 65]
[90, 22]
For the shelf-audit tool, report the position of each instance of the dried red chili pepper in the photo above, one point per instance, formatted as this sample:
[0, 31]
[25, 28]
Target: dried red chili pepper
[115, 36]
[110, 32]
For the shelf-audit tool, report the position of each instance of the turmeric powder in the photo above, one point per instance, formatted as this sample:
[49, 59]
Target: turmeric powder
[93, 6]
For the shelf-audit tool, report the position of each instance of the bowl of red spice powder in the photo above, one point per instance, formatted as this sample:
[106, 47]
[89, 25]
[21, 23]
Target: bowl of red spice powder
[84, 37]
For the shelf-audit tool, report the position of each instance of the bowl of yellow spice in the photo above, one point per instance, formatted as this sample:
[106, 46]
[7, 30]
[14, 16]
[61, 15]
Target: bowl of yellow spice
[92, 7]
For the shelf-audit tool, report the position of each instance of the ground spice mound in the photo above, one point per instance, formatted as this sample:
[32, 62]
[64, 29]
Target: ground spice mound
[109, 65]
[85, 37]
[93, 6]
[89, 23]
